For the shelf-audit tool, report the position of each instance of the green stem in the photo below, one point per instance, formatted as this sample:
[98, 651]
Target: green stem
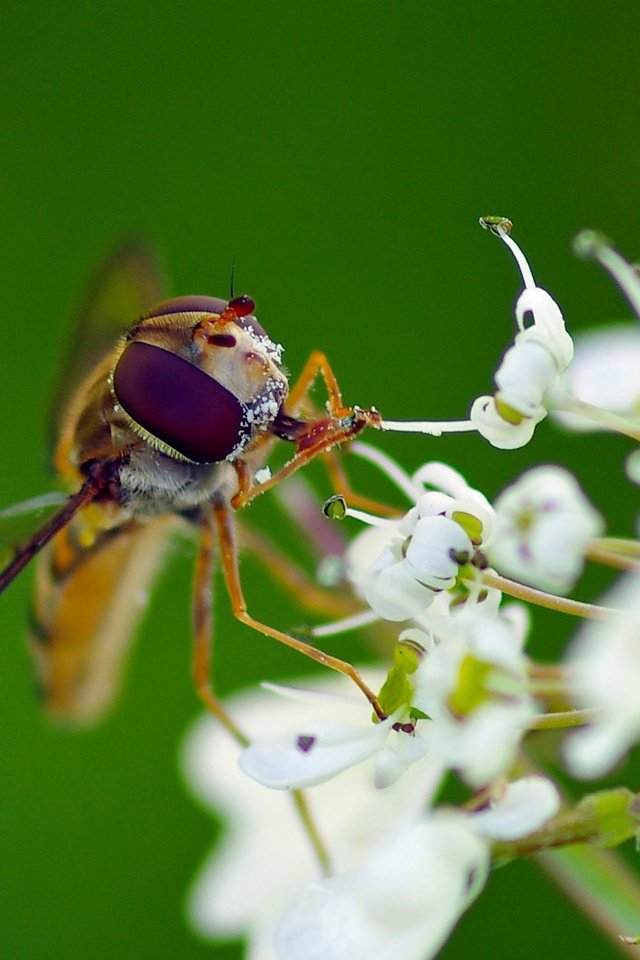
[563, 720]
[602, 885]
[310, 828]
[574, 608]
[606, 818]
[603, 418]
[614, 552]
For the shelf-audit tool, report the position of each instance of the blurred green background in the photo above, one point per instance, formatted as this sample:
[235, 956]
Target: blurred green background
[340, 154]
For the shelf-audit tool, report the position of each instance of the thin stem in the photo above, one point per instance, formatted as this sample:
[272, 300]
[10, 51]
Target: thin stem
[621, 271]
[603, 418]
[574, 608]
[611, 559]
[547, 689]
[617, 552]
[549, 671]
[310, 828]
[621, 545]
[563, 720]
[602, 885]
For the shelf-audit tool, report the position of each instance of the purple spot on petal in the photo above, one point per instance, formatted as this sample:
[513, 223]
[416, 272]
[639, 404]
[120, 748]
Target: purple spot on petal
[305, 742]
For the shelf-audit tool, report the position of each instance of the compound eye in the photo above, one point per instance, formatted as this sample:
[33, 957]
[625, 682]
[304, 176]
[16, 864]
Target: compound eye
[192, 304]
[178, 403]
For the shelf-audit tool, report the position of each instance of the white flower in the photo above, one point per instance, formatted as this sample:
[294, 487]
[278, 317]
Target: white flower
[398, 567]
[500, 432]
[541, 351]
[472, 684]
[321, 748]
[405, 898]
[604, 661]
[468, 683]
[544, 523]
[604, 373]
[400, 905]
[264, 857]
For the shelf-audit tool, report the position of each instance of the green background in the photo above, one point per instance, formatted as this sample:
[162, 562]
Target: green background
[340, 154]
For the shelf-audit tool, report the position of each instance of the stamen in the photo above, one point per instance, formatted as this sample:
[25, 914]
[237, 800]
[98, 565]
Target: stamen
[388, 466]
[433, 428]
[591, 245]
[501, 227]
[362, 619]
[369, 518]
[336, 508]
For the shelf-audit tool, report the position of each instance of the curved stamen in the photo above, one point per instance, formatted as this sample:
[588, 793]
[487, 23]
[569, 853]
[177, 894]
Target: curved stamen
[501, 227]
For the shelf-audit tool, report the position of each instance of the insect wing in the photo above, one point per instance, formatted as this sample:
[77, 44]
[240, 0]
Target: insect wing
[127, 285]
[19, 522]
[87, 604]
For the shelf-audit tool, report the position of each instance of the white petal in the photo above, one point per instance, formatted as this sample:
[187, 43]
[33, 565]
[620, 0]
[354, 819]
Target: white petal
[604, 372]
[430, 551]
[548, 327]
[430, 504]
[499, 433]
[312, 755]
[394, 594]
[525, 374]
[401, 751]
[525, 807]
[401, 905]
[597, 749]
[604, 661]
[442, 477]
[543, 525]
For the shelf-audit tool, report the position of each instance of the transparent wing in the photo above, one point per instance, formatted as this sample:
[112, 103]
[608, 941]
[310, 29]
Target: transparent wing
[127, 285]
[19, 521]
[83, 622]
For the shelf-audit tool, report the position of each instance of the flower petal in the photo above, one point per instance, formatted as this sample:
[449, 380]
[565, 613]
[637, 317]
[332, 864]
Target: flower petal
[524, 807]
[311, 756]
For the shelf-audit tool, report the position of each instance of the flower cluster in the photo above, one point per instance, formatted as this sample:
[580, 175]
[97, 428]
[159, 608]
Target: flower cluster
[339, 840]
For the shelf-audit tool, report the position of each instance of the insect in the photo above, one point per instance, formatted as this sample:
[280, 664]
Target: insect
[170, 422]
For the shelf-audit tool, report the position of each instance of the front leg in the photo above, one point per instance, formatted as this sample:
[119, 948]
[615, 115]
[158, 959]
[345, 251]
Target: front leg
[229, 556]
[203, 624]
[312, 437]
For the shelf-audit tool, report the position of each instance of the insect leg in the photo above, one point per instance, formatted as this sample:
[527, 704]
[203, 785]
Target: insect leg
[309, 595]
[229, 556]
[87, 492]
[342, 485]
[317, 364]
[203, 624]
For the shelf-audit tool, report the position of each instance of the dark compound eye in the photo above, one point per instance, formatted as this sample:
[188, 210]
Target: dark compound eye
[178, 403]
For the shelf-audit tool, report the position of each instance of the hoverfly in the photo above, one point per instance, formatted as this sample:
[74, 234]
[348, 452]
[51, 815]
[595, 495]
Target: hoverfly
[171, 421]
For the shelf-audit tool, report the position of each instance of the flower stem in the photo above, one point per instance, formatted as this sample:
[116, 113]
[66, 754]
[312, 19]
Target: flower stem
[563, 720]
[310, 828]
[615, 552]
[574, 608]
[602, 885]
[603, 418]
